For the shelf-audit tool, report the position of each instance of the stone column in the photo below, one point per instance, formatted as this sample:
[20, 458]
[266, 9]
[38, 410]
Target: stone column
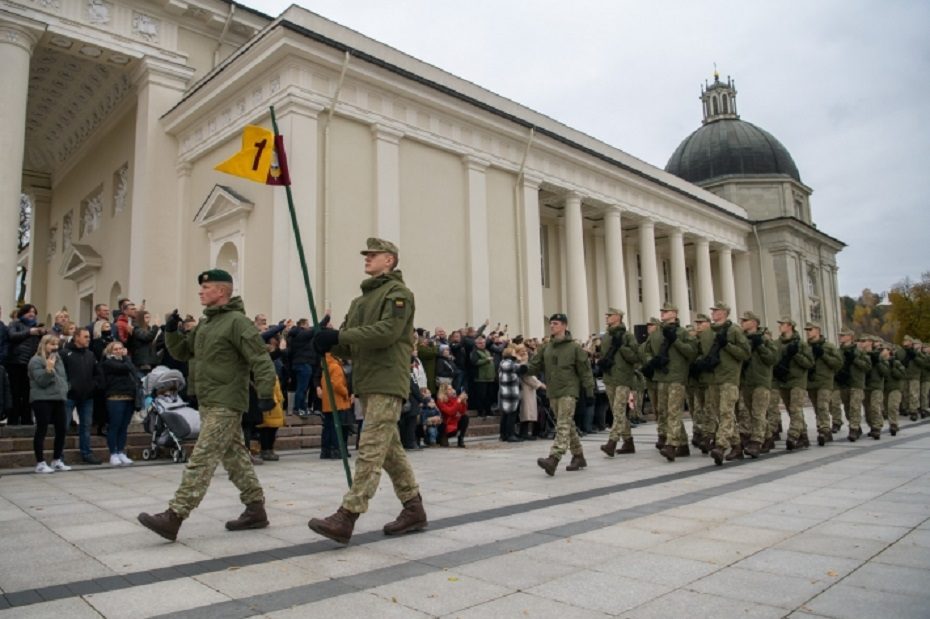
[727, 285]
[613, 239]
[387, 182]
[159, 86]
[298, 117]
[16, 44]
[743, 275]
[676, 243]
[597, 276]
[577, 284]
[183, 232]
[37, 277]
[532, 256]
[635, 306]
[650, 271]
[704, 295]
[479, 269]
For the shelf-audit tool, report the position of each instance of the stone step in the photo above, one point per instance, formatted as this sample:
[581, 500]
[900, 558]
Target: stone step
[297, 434]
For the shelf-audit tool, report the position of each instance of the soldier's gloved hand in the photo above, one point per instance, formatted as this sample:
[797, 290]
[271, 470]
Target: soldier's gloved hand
[670, 333]
[266, 404]
[173, 322]
[324, 341]
[792, 348]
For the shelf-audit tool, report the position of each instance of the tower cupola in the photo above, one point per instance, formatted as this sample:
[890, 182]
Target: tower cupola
[719, 99]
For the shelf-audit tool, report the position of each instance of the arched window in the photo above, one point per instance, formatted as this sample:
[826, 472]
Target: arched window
[713, 105]
[726, 106]
[116, 293]
[228, 260]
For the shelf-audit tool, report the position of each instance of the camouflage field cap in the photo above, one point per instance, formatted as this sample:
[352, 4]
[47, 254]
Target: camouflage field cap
[655, 321]
[812, 325]
[845, 331]
[376, 246]
[787, 320]
[668, 307]
[702, 318]
[214, 275]
[721, 305]
[748, 315]
[614, 310]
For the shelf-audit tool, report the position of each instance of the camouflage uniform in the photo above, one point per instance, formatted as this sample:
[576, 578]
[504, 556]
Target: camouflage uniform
[827, 360]
[621, 357]
[892, 403]
[732, 348]
[755, 384]
[669, 351]
[790, 374]
[875, 391]
[851, 380]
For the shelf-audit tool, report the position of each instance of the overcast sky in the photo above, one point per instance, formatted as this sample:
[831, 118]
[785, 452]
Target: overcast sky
[843, 84]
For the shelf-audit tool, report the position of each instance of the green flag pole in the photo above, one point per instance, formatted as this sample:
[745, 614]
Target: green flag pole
[316, 323]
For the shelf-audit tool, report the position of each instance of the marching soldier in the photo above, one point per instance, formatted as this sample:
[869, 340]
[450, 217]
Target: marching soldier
[376, 336]
[875, 385]
[649, 385]
[568, 372]
[619, 358]
[704, 420]
[893, 383]
[790, 374]
[925, 381]
[729, 350]
[228, 348]
[756, 383]
[851, 382]
[827, 361]
[669, 353]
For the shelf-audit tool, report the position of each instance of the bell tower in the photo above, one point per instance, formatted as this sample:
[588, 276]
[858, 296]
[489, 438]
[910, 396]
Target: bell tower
[719, 99]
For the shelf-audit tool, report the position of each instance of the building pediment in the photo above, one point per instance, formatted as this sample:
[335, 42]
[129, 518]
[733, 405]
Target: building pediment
[222, 204]
[79, 262]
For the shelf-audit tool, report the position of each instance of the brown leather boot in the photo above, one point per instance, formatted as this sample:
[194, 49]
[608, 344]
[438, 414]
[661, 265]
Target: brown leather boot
[753, 449]
[609, 448]
[875, 433]
[669, 452]
[707, 444]
[682, 451]
[337, 527]
[717, 454]
[854, 434]
[578, 462]
[411, 518]
[804, 441]
[736, 453]
[768, 445]
[254, 517]
[696, 438]
[165, 524]
[893, 430]
[627, 447]
[660, 443]
[549, 464]
[743, 440]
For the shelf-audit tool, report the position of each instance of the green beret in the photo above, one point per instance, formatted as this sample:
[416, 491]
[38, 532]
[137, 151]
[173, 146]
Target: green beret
[214, 275]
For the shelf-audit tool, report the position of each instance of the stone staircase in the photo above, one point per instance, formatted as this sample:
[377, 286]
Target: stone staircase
[297, 433]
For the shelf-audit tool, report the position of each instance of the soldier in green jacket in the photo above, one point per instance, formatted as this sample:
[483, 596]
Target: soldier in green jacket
[850, 380]
[875, 385]
[704, 423]
[909, 355]
[649, 386]
[377, 335]
[925, 380]
[893, 382]
[620, 357]
[568, 376]
[827, 361]
[229, 349]
[755, 384]
[669, 351]
[728, 352]
[790, 374]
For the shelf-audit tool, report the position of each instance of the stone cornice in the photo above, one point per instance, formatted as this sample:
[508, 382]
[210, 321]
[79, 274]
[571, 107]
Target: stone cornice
[23, 33]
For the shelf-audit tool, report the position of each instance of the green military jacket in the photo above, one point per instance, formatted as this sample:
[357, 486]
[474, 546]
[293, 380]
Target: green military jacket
[377, 337]
[794, 360]
[224, 349]
[427, 355]
[566, 367]
[757, 370]
[855, 368]
[483, 362]
[680, 354]
[827, 360]
[620, 369]
[732, 354]
[913, 362]
[896, 373]
[705, 341]
[875, 379]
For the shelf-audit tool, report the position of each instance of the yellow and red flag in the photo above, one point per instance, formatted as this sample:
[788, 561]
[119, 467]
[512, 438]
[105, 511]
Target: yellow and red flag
[262, 158]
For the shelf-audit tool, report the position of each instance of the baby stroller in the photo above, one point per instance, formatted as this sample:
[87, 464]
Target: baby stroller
[169, 419]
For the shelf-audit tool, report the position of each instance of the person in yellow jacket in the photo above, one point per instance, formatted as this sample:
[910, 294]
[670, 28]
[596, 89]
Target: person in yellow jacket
[329, 446]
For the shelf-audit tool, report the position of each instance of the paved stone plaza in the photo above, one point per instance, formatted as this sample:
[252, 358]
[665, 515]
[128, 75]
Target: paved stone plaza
[839, 531]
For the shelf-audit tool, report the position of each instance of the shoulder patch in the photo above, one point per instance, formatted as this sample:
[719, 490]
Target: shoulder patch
[399, 307]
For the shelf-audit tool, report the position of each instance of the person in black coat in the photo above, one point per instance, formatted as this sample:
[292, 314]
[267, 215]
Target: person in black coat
[24, 334]
[302, 358]
[81, 368]
[119, 381]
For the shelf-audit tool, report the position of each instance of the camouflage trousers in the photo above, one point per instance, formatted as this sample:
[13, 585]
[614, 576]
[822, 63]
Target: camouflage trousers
[671, 398]
[852, 406]
[723, 398]
[566, 434]
[820, 400]
[925, 395]
[911, 394]
[836, 407]
[379, 448]
[220, 440]
[794, 402]
[752, 417]
[652, 389]
[711, 405]
[696, 407]
[773, 414]
[873, 408]
[618, 396]
[892, 404]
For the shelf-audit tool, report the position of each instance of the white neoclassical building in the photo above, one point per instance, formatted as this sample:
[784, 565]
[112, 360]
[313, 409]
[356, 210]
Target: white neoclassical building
[116, 112]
